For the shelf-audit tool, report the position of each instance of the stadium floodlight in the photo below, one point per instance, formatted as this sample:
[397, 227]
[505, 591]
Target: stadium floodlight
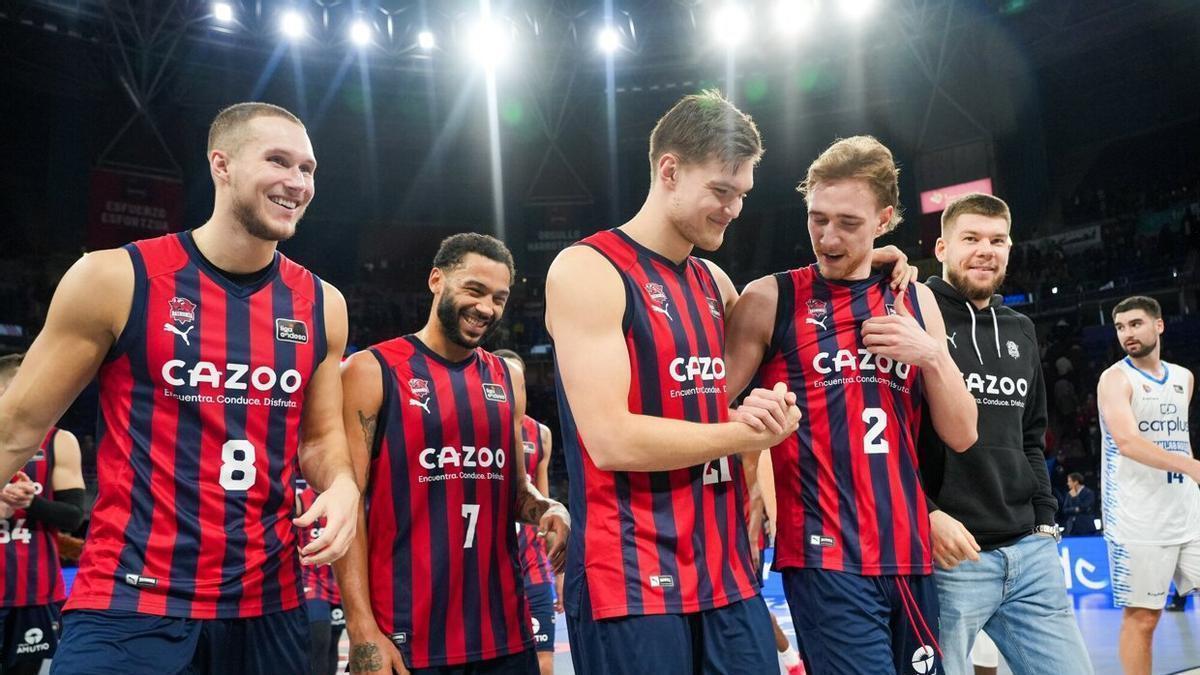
[794, 16]
[292, 24]
[730, 25]
[425, 40]
[360, 33]
[223, 12]
[490, 42]
[857, 10]
[608, 39]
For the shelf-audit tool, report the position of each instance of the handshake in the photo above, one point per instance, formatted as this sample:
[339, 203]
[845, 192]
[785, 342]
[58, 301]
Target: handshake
[772, 413]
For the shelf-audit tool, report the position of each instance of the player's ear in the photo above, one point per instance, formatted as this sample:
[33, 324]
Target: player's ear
[218, 164]
[885, 219]
[939, 250]
[437, 279]
[667, 169]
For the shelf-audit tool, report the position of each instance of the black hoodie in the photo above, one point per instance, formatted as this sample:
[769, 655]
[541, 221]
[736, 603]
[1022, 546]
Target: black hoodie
[999, 488]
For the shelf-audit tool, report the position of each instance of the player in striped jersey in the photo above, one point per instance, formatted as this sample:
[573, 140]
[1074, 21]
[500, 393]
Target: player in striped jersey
[659, 576]
[432, 583]
[1151, 504]
[45, 497]
[218, 368]
[540, 580]
[853, 533]
[322, 602]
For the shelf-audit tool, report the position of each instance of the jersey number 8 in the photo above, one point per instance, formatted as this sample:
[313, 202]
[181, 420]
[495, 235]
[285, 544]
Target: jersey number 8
[237, 466]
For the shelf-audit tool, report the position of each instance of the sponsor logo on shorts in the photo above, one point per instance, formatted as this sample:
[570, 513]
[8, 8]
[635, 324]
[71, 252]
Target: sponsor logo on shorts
[538, 635]
[923, 661]
[662, 581]
[291, 330]
[337, 617]
[34, 642]
[400, 638]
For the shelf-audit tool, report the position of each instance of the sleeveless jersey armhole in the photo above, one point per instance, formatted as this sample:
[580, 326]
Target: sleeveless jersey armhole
[627, 314]
[785, 308]
[135, 323]
[320, 342]
[389, 384]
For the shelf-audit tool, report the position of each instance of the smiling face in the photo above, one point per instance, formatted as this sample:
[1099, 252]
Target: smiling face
[470, 298]
[1138, 332]
[269, 176]
[974, 254]
[705, 198]
[844, 219]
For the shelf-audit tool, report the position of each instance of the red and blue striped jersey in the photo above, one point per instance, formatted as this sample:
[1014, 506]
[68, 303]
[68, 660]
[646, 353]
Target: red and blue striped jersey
[847, 486]
[535, 564]
[318, 580]
[663, 542]
[200, 402]
[30, 574]
[442, 550]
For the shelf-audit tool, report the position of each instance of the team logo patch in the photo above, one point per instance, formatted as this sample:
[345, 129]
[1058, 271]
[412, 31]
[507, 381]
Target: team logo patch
[658, 296]
[183, 311]
[1013, 351]
[400, 638]
[291, 330]
[714, 307]
[818, 311]
[420, 389]
[494, 392]
[662, 581]
[530, 448]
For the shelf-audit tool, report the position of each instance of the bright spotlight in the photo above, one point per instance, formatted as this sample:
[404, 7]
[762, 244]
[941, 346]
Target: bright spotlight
[425, 40]
[730, 25]
[857, 10]
[360, 33]
[490, 42]
[608, 40]
[793, 16]
[292, 24]
[223, 12]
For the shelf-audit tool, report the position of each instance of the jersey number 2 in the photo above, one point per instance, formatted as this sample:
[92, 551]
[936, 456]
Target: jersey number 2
[873, 441]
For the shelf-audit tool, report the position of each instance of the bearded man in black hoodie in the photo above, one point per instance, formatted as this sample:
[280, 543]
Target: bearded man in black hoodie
[991, 511]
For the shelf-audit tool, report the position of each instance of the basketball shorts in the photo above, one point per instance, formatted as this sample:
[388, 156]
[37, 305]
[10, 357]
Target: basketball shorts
[104, 642]
[541, 611]
[848, 624]
[28, 633]
[1142, 573]
[737, 638]
[522, 663]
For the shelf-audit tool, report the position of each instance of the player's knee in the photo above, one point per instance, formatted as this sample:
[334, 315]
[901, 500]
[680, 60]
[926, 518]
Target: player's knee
[1141, 620]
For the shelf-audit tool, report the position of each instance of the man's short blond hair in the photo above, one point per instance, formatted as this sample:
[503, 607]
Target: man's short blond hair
[978, 204]
[228, 129]
[863, 158]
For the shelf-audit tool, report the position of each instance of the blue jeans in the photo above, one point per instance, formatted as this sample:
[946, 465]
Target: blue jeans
[1016, 594]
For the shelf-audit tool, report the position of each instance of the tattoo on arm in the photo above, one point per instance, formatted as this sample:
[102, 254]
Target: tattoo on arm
[529, 508]
[365, 658]
[368, 427]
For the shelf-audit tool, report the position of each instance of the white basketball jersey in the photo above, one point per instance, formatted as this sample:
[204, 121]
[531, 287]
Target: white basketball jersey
[1141, 504]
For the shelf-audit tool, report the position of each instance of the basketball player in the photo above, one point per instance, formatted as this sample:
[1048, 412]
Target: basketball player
[218, 365]
[540, 580]
[660, 577]
[432, 584]
[44, 497]
[1151, 504]
[788, 655]
[323, 603]
[853, 535]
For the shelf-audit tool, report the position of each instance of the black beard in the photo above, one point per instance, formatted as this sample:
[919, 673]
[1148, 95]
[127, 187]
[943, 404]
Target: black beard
[1144, 351]
[254, 225]
[448, 316]
[960, 283]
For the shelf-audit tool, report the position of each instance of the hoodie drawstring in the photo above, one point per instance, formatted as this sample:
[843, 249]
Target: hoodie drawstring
[996, 330]
[971, 312]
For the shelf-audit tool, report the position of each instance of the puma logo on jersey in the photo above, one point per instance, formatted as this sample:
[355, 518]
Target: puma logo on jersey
[950, 339]
[817, 322]
[181, 333]
[423, 405]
